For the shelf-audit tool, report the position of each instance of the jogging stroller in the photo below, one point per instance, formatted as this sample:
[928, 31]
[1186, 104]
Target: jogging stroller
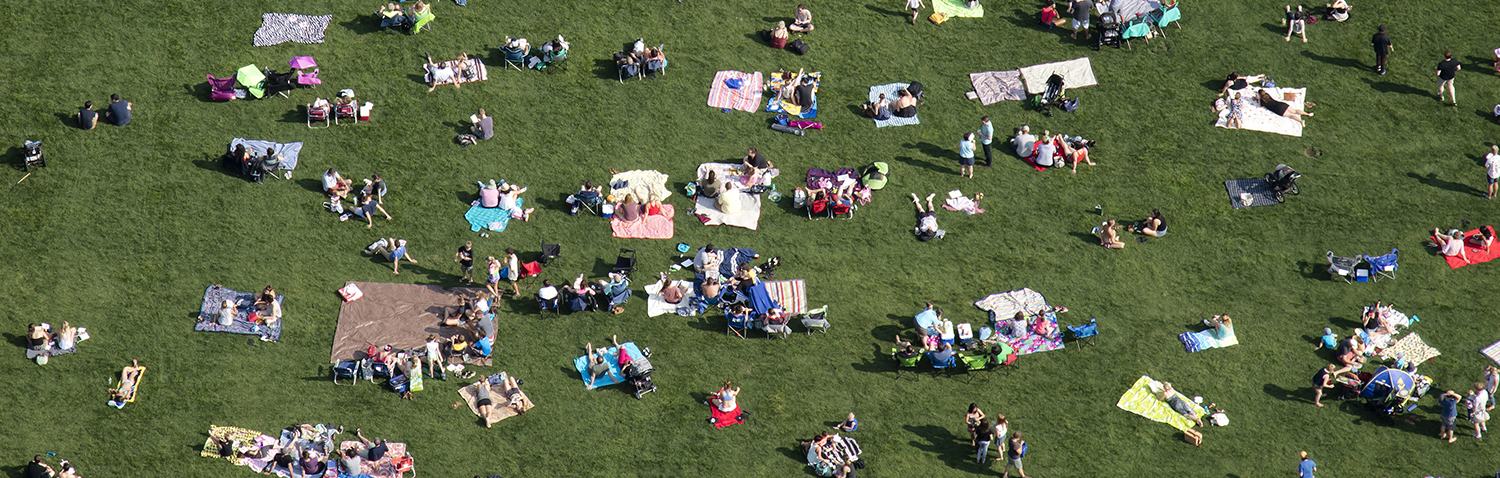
[33, 152]
[639, 374]
[1109, 31]
[1052, 97]
[1283, 180]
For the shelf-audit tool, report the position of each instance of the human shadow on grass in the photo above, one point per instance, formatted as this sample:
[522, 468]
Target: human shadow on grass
[894, 13]
[1481, 64]
[67, 119]
[1336, 61]
[603, 67]
[201, 91]
[881, 363]
[1028, 21]
[312, 184]
[458, 128]
[1388, 87]
[362, 25]
[928, 165]
[755, 37]
[1086, 237]
[949, 447]
[706, 324]
[1431, 180]
[1298, 395]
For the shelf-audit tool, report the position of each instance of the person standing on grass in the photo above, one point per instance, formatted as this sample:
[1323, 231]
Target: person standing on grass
[1478, 398]
[1491, 380]
[986, 135]
[966, 155]
[1321, 381]
[513, 270]
[916, 7]
[1080, 10]
[982, 438]
[1449, 414]
[1446, 71]
[1306, 467]
[1492, 172]
[492, 279]
[465, 259]
[1383, 46]
[1015, 448]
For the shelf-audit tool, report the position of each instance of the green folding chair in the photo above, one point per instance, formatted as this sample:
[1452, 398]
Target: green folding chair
[423, 21]
[905, 363]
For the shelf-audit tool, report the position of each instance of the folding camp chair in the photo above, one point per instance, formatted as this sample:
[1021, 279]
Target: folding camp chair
[905, 363]
[589, 202]
[347, 370]
[1383, 265]
[424, 21]
[974, 362]
[321, 113]
[625, 263]
[545, 305]
[738, 324]
[554, 57]
[945, 366]
[220, 89]
[1172, 14]
[550, 252]
[1343, 266]
[280, 83]
[309, 80]
[816, 319]
[1085, 335]
[349, 114]
[842, 206]
[514, 58]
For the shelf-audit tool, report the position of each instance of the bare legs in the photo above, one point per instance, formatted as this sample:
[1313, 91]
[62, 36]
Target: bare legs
[917, 202]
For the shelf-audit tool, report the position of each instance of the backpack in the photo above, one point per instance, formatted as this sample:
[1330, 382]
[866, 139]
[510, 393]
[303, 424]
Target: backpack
[1070, 105]
[798, 46]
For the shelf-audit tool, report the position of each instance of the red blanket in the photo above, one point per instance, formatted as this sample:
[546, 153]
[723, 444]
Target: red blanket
[1472, 250]
[724, 419]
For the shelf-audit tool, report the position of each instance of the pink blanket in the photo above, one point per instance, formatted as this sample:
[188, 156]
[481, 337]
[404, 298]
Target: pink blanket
[647, 227]
[744, 98]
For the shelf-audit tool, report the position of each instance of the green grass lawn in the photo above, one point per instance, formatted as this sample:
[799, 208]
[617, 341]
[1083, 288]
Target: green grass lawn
[126, 226]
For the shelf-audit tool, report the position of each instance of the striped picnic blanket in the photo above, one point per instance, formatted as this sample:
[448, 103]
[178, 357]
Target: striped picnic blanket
[745, 98]
[475, 72]
[1005, 304]
[890, 94]
[791, 294]
[277, 28]
[996, 86]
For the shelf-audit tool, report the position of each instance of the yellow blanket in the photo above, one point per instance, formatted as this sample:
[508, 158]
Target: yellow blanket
[1141, 401]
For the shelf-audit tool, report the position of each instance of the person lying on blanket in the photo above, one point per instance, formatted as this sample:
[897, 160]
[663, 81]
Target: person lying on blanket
[1180, 404]
[1235, 82]
[129, 380]
[1281, 108]
[440, 74]
[1451, 245]
[371, 450]
[598, 367]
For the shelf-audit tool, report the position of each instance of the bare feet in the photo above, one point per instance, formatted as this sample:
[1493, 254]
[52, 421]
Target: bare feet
[1318, 404]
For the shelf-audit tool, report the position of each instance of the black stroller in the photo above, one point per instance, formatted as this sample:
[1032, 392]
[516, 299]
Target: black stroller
[1052, 97]
[639, 374]
[1109, 31]
[1283, 180]
[33, 152]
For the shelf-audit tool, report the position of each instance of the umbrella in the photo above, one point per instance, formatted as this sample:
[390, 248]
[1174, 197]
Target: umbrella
[251, 78]
[300, 62]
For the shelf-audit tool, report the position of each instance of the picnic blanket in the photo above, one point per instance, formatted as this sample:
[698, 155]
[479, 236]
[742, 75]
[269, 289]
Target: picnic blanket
[996, 86]
[656, 305]
[213, 301]
[1492, 351]
[778, 105]
[1388, 315]
[493, 218]
[1254, 117]
[249, 441]
[1141, 400]
[791, 294]
[1472, 250]
[399, 315]
[957, 8]
[647, 227]
[1258, 189]
[1076, 73]
[748, 216]
[475, 72]
[257, 147]
[278, 28]
[745, 98]
[382, 468]
[644, 184]
[499, 411]
[1412, 348]
[1208, 339]
[890, 89]
[1030, 342]
[734, 172]
[724, 419]
[1004, 305]
[611, 356]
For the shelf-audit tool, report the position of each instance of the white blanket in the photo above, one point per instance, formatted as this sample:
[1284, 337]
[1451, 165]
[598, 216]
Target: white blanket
[1256, 118]
[644, 184]
[1076, 73]
[656, 305]
[748, 217]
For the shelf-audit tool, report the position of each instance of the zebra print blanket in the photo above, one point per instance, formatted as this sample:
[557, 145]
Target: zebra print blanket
[278, 28]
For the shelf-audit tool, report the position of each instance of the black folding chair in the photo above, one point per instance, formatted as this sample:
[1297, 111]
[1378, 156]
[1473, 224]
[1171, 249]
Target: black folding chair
[625, 263]
[550, 252]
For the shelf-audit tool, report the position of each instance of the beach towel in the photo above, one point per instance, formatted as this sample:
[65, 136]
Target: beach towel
[1256, 118]
[500, 409]
[647, 227]
[760, 299]
[747, 217]
[1076, 73]
[611, 356]
[957, 8]
[1140, 400]
[493, 218]
[996, 86]
[242, 435]
[386, 466]
[890, 90]
[745, 98]
[656, 305]
[278, 28]
[778, 105]
[1492, 351]
[724, 419]
[1412, 348]
[791, 294]
[644, 184]
[1472, 250]
[1259, 191]
[257, 147]
[213, 301]
[1208, 339]
[475, 72]
[1005, 304]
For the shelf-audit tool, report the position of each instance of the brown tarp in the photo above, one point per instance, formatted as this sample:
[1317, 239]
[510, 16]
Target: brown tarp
[399, 315]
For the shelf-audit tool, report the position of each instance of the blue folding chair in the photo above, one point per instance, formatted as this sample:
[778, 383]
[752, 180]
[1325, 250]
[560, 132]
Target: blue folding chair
[1085, 335]
[547, 305]
[514, 58]
[946, 366]
[347, 370]
[1384, 265]
[738, 324]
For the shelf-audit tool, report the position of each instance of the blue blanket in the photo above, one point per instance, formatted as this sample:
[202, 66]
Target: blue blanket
[257, 147]
[890, 94]
[213, 300]
[482, 217]
[1207, 339]
[612, 358]
[760, 300]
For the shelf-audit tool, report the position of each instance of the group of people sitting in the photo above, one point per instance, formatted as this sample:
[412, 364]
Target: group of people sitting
[367, 201]
[1051, 150]
[518, 49]
[631, 208]
[443, 74]
[940, 340]
[342, 105]
[638, 60]
[833, 455]
[41, 339]
[304, 452]
[1109, 235]
[118, 113]
[583, 296]
[266, 310]
[801, 23]
[40, 469]
[505, 196]
[905, 106]
[1453, 244]
[256, 168]
[393, 16]
[474, 319]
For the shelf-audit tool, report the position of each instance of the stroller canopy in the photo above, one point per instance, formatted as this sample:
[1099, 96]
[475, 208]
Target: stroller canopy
[1388, 383]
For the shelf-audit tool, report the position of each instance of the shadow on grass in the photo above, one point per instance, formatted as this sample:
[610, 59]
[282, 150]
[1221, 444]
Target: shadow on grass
[67, 120]
[1336, 61]
[311, 184]
[798, 456]
[1298, 395]
[1487, 115]
[928, 165]
[458, 128]
[1028, 20]
[296, 115]
[947, 446]
[1388, 87]
[419, 79]
[603, 67]
[1481, 64]
[1312, 271]
[1279, 30]
[1431, 180]
[883, 11]
[881, 363]
[362, 25]
[1086, 237]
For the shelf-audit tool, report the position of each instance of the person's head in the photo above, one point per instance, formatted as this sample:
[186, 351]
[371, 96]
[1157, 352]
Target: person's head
[490, 259]
[350, 453]
[781, 25]
[546, 282]
[1109, 223]
[1478, 386]
[88, 105]
[1302, 454]
[1233, 75]
[114, 97]
[468, 245]
[1447, 54]
[851, 415]
[973, 407]
[800, 7]
[481, 113]
[36, 459]
[969, 136]
[270, 151]
[882, 97]
[1025, 129]
[938, 311]
[239, 149]
[1051, 4]
[1380, 29]
[1020, 316]
[1155, 214]
[999, 418]
[709, 248]
[1016, 435]
[984, 120]
[510, 252]
[752, 152]
[1331, 367]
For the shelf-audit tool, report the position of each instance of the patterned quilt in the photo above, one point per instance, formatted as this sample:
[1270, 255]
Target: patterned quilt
[213, 301]
[745, 98]
[778, 105]
[278, 28]
[996, 86]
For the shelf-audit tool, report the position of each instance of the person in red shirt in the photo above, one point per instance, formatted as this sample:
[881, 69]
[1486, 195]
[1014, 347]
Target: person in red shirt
[1049, 15]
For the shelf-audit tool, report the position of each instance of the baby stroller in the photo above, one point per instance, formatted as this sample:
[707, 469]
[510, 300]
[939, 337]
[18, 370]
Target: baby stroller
[1052, 97]
[1109, 31]
[33, 153]
[1283, 180]
[639, 374]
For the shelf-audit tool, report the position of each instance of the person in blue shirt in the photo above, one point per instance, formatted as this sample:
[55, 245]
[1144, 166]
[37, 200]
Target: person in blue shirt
[1449, 405]
[118, 113]
[393, 249]
[1306, 468]
[1328, 341]
[849, 425]
[986, 135]
[966, 155]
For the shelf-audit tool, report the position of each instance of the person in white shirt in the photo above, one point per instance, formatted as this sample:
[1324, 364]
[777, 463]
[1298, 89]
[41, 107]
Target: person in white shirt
[1024, 142]
[1492, 166]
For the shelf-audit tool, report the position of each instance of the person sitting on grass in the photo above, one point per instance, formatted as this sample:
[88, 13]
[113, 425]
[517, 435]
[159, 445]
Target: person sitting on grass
[849, 425]
[1152, 225]
[1296, 23]
[39, 469]
[1337, 11]
[38, 338]
[1108, 235]
[1049, 16]
[927, 226]
[393, 249]
[391, 15]
[87, 117]
[334, 185]
[1351, 354]
[1180, 404]
[779, 36]
[1451, 245]
[802, 20]
[510, 195]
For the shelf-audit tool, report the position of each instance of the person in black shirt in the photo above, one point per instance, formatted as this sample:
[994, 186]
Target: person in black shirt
[465, 260]
[804, 94]
[1446, 70]
[87, 117]
[1296, 23]
[38, 469]
[118, 113]
[1383, 46]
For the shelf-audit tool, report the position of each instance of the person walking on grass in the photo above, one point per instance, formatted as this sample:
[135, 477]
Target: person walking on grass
[1306, 467]
[915, 6]
[465, 259]
[1492, 173]
[1015, 448]
[1322, 381]
[1448, 404]
[1446, 71]
[966, 155]
[986, 135]
[1383, 46]
[1080, 10]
